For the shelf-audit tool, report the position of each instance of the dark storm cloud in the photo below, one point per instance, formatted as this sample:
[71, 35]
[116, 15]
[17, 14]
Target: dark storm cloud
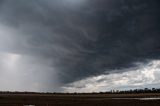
[83, 38]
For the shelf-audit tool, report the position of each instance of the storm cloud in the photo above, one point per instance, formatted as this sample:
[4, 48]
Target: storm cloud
[63, 41]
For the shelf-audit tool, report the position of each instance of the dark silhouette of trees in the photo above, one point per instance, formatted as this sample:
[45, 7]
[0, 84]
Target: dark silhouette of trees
[145, 90]
[134, 91]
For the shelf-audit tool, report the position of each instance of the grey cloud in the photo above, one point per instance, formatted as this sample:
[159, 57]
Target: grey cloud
[146, 75]
[82, 39]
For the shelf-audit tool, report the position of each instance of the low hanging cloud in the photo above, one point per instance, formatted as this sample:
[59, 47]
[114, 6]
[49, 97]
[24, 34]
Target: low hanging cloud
[146, 75]
[70, 40]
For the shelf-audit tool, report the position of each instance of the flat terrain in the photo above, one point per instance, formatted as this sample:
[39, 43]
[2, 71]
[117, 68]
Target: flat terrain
[78, 99]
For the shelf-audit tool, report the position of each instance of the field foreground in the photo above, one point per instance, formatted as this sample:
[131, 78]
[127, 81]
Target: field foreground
[79, 99]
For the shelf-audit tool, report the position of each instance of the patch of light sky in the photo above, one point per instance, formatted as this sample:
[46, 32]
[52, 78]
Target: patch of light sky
[144, 76]
[25, 73]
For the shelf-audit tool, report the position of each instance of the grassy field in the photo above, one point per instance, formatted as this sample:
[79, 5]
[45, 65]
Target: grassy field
[78, 100]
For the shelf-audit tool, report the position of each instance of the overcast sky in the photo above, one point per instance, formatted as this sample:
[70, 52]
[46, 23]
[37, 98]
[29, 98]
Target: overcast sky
[79, 45]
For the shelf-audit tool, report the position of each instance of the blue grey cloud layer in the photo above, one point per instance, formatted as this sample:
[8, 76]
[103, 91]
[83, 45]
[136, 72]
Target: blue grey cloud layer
[83, 38]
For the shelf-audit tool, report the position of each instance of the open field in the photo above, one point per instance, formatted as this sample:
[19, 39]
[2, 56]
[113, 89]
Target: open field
[78, 99]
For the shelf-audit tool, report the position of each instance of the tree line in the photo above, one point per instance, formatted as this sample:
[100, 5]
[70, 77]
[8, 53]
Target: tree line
[145, 90]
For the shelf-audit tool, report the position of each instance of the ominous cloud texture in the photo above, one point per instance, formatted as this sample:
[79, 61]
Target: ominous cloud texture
[50, 43]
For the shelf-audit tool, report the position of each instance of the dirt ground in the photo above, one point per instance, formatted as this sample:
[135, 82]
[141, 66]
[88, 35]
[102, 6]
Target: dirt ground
[78, 100]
